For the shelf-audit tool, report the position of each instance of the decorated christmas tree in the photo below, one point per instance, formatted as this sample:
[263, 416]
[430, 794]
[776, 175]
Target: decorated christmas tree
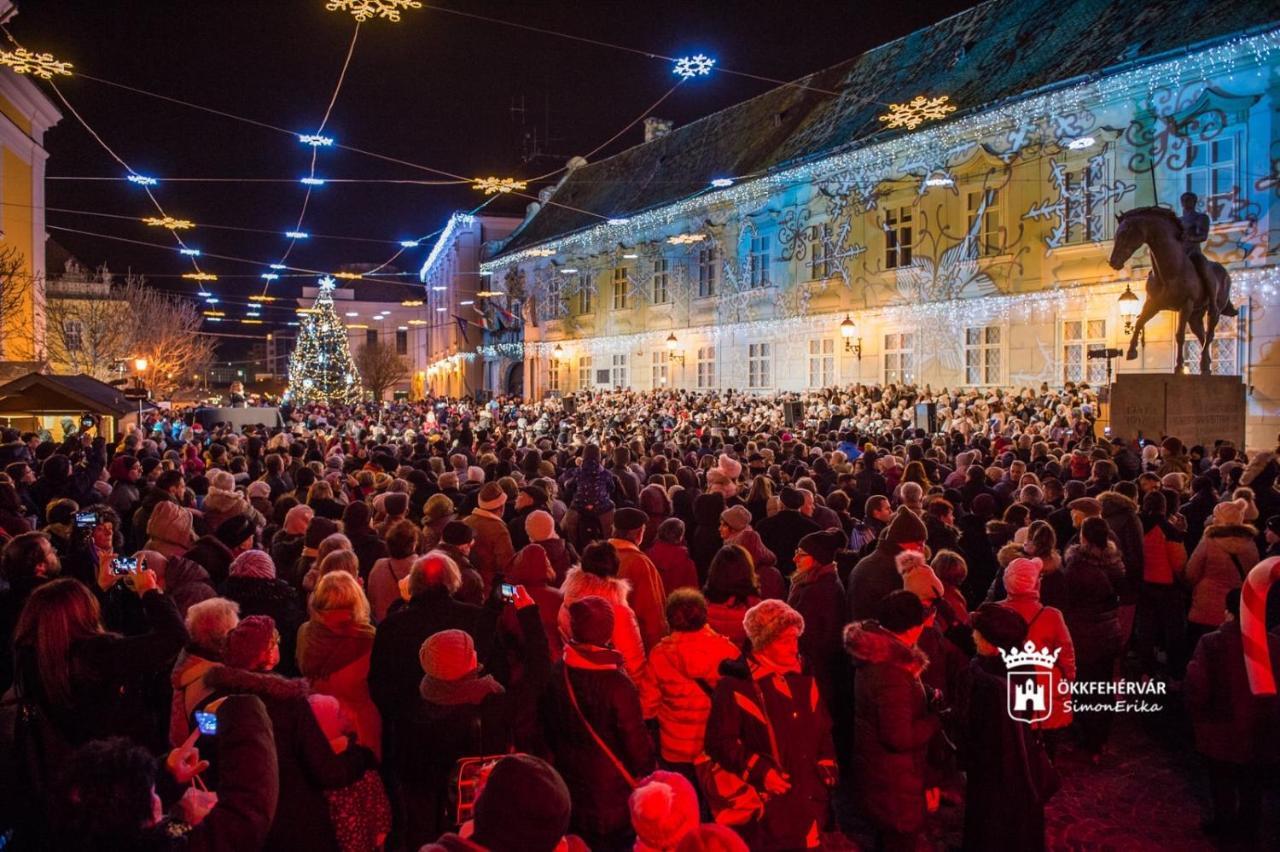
[321, 369]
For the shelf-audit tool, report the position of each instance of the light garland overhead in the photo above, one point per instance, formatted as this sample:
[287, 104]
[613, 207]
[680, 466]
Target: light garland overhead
[315, 140]
[917, 111]
[42, 65]
[493, 185]
[169, 222]
[142, 180]
[688, 67]
[363, 10]
[199, 276]
[348, 276]
[686, 239]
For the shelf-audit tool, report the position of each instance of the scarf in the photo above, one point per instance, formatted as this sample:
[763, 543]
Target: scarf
[471, 689]
[332, 641]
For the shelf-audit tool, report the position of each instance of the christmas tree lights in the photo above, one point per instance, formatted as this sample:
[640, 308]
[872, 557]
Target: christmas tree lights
[321, 368]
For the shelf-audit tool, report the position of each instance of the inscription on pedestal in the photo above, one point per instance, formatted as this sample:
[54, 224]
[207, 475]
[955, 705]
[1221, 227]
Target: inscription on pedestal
[1196, 409]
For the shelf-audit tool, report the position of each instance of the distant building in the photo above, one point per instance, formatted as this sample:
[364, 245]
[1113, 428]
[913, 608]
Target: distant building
[25, 115]
[85, 324]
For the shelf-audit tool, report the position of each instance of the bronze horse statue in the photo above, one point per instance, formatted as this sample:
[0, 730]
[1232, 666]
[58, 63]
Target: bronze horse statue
[1173, 284]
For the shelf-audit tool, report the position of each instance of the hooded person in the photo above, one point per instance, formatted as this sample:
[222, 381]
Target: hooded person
[647, 596]
[532, 569]
[186, 582]
[169, 529]
[287, 544]
[318, 529]
[875, 576]
[369, 545]
[540, 526]
[223, 501]
[1223, 558]
[523, 804]
[492, 549]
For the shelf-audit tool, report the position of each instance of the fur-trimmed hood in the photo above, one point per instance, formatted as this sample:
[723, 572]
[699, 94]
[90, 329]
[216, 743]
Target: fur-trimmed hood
[579, 584]
[1234, 538]
[870, 644]
[225, 502]
[271, 687]
[1115, 503]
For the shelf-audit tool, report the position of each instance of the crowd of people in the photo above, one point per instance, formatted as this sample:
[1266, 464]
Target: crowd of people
[628, 620]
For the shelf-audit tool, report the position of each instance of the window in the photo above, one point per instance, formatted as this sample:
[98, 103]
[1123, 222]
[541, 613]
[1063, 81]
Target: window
[661, 280]
[618, 375]
[371, 337]
[758, 262]
[822, 363]
[1078, 338]
[402, 341]
[988, 233]
[982, 355]
[602, 376]
[1088, 218]
[584, 294]
[1224, 352]
[820, 266]
[584, 371]
[555, 299]
[660, 369]
[73, 335]
[899, 359]
[708, 261]
[1213, 174]
[707, 367]
[897, 237]
[620, 288]
[553, 375]
[758, 365]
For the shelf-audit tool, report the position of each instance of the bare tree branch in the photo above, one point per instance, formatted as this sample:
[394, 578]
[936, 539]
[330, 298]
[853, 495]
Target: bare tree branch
[380, 367]
[165, 330]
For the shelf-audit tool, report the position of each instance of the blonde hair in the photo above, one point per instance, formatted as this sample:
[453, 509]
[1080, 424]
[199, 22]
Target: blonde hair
[320, 489]
[338, 561]
[332, 543]
[340, 591]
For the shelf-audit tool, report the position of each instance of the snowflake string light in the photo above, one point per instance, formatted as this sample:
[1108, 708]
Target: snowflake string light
[199, 276]
[686, 239]
[169, 222]
[315, 140]
[327, 284]
[917, 111]
[349, 276]
[493, 185]
[363, 10]
[688, 67]
[142, 180]
[42, 65]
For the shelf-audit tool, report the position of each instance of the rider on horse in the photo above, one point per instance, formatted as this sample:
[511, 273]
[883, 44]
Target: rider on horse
[1195, 230]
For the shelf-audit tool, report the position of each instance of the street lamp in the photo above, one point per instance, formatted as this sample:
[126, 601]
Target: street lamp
[672, 355]
[848, 330]
[1130, 307]
[140, 364]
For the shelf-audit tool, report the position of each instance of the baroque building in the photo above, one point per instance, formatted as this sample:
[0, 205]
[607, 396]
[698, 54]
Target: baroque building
[801, 240]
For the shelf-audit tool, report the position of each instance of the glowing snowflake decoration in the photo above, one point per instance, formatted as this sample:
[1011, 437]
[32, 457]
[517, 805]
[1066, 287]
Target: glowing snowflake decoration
[142, 180]
[363, 10]
[169, 222]
[199, 276]
[42, 65]
[917, 111]
[315, 140]
[494, 185]
[686, 239]
[327, 284]
[688, 67]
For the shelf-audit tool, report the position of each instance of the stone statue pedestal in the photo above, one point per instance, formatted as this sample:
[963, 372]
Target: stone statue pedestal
[1196, 409]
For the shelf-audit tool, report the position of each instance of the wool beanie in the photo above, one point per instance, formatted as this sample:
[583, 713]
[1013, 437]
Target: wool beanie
[396, 503]
[664, 808]
[297, 519]
[627, 520]
[121, 465]
[1230, 512]
[906, 528]
[491, 497]
[791, 498]
[1022, 576]
[591, 620]
[234, 530]
[540, 525]
[438, 506]
[524, 804]
[917, 577]
[1000, 625]
[355, 516]
[258, 490]
[170, 523]
[222, 480]
[765, 621]
[822, 545]
[448, 655]
[736, 518]
[457, 534]
[249, 641]
[254, 563]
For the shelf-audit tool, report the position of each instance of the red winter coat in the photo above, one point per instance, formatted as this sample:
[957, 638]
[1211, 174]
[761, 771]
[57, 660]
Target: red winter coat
[1047, 628]
[677, 664]
[674, 565]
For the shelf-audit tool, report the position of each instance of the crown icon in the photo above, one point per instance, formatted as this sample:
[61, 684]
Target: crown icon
[1029, 656]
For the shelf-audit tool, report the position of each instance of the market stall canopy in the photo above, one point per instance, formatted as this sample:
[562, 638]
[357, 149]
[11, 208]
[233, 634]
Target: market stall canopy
[37, 393]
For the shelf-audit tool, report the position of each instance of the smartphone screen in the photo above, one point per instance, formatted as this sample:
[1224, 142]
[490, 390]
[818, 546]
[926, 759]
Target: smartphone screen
[508, 592]
[86, 520]
[207, 722]
[124, 565]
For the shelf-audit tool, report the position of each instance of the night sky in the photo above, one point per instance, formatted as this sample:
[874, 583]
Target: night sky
[435, 89]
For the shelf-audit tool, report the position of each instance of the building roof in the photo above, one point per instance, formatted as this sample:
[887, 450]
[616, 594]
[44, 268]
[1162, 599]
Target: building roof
[39, 392]
[998, 50]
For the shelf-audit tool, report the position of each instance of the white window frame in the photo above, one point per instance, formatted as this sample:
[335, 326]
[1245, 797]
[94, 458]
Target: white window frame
[899, 358]
[1079, 337]
[661, 281]
[584, 371]
[758, 260]
[1216, 181]
[619, 288]
[1077, 232]
[708, 274]
[661, 372]
[899, 238]
[821, 267]
[822, 362]
[73, 335]
[1225, 358]
[980, 344]
[989, 232]
[585, 305]
[618, 370]
[759, 366]
[553, 375]
[706, 366]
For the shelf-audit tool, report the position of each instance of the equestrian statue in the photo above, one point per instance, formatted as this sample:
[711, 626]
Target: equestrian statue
[1182, 278]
